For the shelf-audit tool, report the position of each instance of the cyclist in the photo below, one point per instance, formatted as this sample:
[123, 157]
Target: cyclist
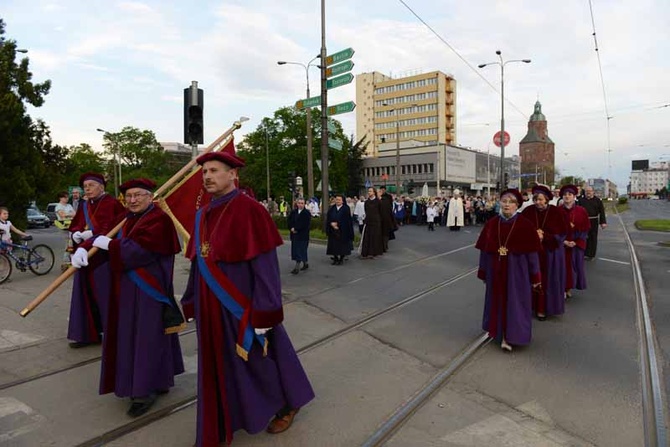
[6, 228]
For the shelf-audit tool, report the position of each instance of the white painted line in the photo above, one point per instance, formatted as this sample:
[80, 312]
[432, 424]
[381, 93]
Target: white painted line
[612, 260]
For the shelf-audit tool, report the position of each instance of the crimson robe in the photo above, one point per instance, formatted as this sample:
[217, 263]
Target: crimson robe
[550, 299]
[138, 358]
[91, 285]
[578, 225]
[509, 278]
[233, 393]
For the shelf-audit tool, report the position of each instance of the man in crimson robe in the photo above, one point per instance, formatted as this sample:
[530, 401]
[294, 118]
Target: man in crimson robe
[510, 267]
[248, 370]
[551, 228]
[141, 352]
[98, 214]
[578, 226]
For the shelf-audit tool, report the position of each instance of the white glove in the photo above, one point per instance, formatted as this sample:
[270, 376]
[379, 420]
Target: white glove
[86, 235]
[76, 237]
[261, 331]
[79, 258]
[102, 242]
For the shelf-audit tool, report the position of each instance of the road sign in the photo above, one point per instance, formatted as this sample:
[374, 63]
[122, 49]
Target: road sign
[344, 107]
[334, 144]
[309, 102]
[331, 126]
[339, 69]
[340, 56]
[339, 81]
[496, 139]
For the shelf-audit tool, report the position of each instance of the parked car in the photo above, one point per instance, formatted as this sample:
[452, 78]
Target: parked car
[37, 219]
[51, 211]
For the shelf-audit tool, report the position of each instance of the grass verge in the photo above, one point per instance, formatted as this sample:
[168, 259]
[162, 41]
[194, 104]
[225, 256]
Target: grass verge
[653, 224]
[317, 236]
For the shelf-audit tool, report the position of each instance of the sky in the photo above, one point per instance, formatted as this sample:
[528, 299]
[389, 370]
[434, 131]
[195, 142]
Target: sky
[126, 63]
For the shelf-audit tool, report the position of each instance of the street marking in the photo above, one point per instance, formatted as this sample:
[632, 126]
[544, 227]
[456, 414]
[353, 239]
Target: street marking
[12, 339]
[499, 430]
[612, 260]
[16, 419]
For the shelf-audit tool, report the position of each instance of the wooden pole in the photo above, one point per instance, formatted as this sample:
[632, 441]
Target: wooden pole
[165, 187]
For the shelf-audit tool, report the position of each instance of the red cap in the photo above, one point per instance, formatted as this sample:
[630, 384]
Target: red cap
[224, 157]
[568, 188]
[542, 189]
[143, 183]
[92, 176]
[514, 193]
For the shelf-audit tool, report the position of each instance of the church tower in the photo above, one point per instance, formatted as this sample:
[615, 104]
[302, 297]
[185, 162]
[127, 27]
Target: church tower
[536, 151]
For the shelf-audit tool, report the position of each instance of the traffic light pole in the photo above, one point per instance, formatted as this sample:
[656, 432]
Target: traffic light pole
[324, 117]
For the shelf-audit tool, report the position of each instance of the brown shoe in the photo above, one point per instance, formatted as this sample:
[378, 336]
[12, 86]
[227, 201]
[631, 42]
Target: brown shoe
[281, 424]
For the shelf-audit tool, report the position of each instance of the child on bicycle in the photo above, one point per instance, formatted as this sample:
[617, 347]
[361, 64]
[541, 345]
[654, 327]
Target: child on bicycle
[6, 228]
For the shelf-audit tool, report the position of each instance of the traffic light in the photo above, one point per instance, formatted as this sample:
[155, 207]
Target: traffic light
[193, 115]
[291, 182]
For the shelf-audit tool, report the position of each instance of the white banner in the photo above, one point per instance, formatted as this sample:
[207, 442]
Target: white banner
[461, 165]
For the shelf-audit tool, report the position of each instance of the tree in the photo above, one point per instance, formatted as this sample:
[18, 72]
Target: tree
[20, 156]
[572, 180]
[355, 154]
[284, 139]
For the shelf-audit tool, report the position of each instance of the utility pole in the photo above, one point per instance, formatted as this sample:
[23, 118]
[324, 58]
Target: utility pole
[324, 116]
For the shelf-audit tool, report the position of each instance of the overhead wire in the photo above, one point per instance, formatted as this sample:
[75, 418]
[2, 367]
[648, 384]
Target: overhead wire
[459, 56]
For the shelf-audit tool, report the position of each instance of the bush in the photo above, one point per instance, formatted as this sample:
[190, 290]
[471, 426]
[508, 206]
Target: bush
[622, 200]
[282, 223]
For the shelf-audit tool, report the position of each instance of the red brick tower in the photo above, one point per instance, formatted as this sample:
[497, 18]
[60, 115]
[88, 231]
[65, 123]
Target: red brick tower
[536, 151]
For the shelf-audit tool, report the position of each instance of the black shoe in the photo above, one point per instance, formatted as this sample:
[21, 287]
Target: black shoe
[542, 318]
[305, 266]
[335, 261]
[140, 406]
[295, 271]
[80, 344]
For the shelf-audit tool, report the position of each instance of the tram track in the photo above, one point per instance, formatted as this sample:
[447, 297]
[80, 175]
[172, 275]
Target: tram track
[189, 401]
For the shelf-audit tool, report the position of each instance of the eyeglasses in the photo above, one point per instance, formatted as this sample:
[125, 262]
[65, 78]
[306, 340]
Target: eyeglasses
[508, 202]
[136, 196]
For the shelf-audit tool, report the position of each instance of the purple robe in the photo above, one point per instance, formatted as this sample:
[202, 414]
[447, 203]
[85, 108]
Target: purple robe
[138, 358]
[508, 306]
[88, 305]
[256, 389]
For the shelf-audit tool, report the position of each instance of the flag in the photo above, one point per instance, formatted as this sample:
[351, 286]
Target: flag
[187, 197]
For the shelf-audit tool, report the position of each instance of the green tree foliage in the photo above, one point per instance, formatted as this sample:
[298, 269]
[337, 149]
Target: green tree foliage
[572, 180]
[284, 138]
[20, 157]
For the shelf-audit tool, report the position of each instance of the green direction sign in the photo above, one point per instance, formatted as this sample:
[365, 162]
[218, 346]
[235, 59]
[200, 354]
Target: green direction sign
[331, 126]
[344, 107]
[334, 144]
[339, 69]
[309, 102]
[339, 81]
[340, 56]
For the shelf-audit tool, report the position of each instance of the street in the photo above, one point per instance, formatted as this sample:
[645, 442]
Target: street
[371, 334]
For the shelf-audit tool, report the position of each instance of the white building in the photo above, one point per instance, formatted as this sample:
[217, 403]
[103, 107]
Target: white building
[646, 182]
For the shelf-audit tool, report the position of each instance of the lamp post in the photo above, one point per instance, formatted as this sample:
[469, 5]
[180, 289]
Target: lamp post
[502, 64]
[308, 119]
[117, 164]
[267, 161]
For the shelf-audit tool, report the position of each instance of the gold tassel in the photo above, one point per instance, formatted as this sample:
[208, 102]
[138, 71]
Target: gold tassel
[242, 352]
[175, 329]
[265, 347]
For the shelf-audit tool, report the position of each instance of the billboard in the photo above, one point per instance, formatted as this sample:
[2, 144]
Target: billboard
[460, 165]
[640, 165]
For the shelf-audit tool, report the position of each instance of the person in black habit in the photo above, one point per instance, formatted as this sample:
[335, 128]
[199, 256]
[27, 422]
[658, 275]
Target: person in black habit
[597, 218]
[299, 223]
[372, 243]
[340, 229]
[388, 221]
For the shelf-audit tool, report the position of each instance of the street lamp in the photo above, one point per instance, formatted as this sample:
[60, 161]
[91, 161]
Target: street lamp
[397, 149]
[267, 161]
[502, 110]
[115, 149]
[21, 50]
[308, 118]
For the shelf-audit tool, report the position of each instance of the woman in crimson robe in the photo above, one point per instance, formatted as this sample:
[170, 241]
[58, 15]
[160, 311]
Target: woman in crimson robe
[578, 226]
[551, 228]
[510, 267]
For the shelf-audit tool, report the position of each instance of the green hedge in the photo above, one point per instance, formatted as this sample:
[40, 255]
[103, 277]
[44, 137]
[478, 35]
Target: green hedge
[282, 223]
[622, 200]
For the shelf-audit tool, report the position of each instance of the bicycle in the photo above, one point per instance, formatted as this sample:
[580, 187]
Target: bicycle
[38, 259]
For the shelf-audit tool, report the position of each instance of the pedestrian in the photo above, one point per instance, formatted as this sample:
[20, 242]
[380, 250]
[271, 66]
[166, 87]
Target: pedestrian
[399, 211]
[548, 221]
[578, 226]
[6, 228]
[248, 370]
[372, 243]
[299, 222]
[141, 352]
[64, 214]
[455, 212]
[97, 215]
[431, 212]
[76, 199]
[597, 218]
[359, 214]
[388, 222]
[340, 230]
[510, 267]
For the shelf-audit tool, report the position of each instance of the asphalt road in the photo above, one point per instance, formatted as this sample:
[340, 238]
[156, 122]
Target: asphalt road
[576, 384]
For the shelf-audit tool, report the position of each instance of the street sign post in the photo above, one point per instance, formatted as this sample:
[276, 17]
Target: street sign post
[340, 56]
[496, 139]
[339, 81]
[339, 69]
[344, 107]
[309, 102]
[335, 144]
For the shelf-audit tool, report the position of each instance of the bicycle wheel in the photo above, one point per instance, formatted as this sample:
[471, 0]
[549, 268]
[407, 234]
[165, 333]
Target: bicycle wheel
[41, 259]
[5, 268]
